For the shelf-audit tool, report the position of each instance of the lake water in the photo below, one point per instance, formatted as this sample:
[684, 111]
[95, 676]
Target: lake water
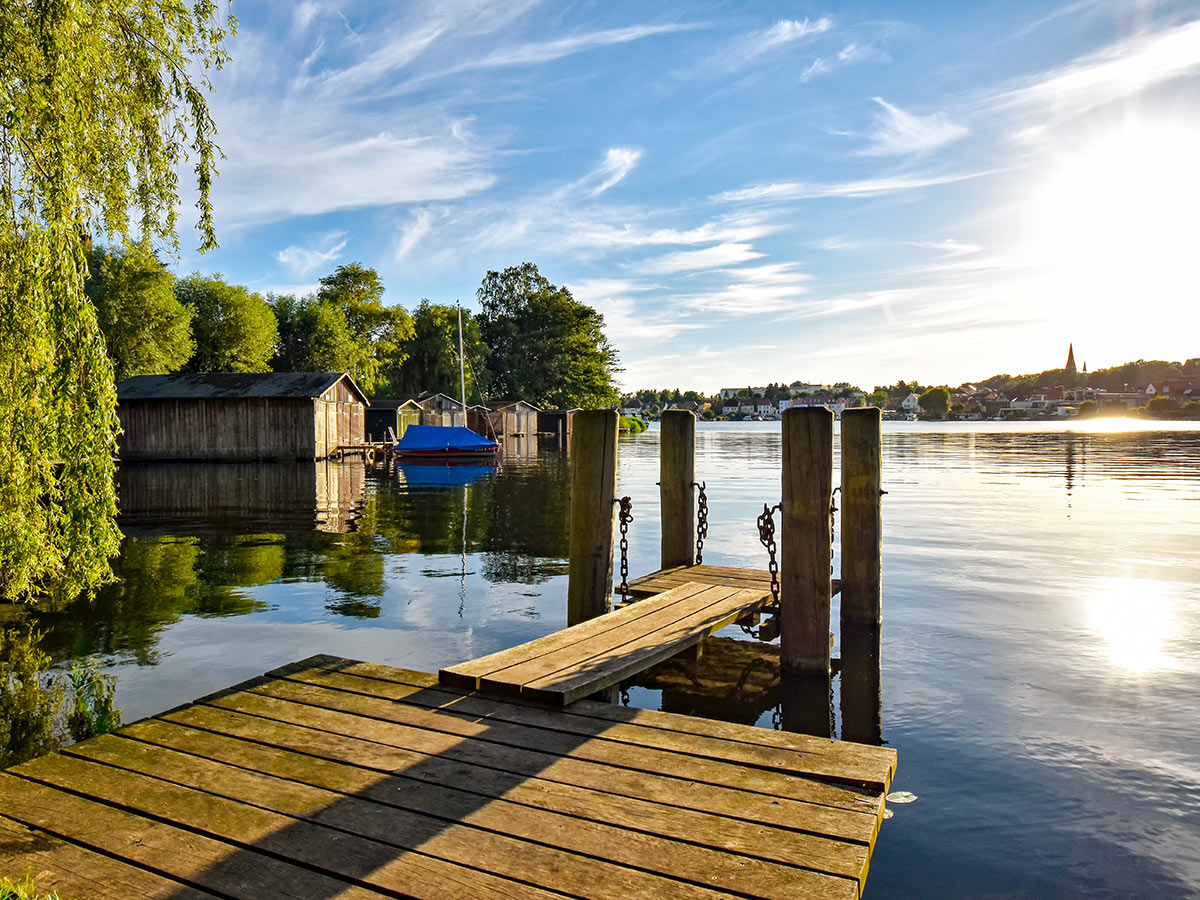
[1040, 647]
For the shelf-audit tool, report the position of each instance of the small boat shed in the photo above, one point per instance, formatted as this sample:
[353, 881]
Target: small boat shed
[274, 415]
[514, 418]
[394, 413]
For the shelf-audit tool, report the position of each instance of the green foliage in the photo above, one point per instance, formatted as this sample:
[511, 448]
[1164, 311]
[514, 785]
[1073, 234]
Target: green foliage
[235, 330]
[29, 700]
[102, 104]
[546, 347]
[24, 889]
[1191, 409]
[632, 424]
[1161, 404]
[147, 331]
[344, 327]
[879, 398]
[935, 403]
[1087, 409]
[432, 354]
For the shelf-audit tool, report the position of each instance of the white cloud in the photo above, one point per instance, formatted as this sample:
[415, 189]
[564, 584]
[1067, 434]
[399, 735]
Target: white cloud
[690, 260]
[304, 14]
[785, 31]
[619, 162]
[549, 51]
[1125, 68]
[898, 132]
[411, 234]
[949, 246]
[868, 187]
[304, 261]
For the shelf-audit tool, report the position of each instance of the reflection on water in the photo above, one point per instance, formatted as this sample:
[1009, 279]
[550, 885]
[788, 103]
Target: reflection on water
[1040, 649]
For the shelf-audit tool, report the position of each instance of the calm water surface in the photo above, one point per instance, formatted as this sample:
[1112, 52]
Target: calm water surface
[1041, 643]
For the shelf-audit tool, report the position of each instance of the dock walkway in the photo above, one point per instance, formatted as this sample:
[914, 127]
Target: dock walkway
[334, 778]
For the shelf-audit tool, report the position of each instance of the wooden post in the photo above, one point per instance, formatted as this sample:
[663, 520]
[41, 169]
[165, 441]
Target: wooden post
[677, 472]
[862, 520]
[805, 543]
[593, 489]
[862, 712]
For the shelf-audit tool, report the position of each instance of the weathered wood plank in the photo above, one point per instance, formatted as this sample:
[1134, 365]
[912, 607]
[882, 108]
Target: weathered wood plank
[395, 749]
[337, 853]
[211, 864]
[608, 666]
[327, 705]
[73, 871]
[384, 811]
[467, 674]
[657, 582]
[821, 758]
[438, 784]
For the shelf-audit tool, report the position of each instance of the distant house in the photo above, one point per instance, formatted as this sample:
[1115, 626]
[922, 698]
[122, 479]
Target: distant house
[911, 404]
[288, 415]
[393, 413]
[479, 420]
[514, 418]
[441, 409]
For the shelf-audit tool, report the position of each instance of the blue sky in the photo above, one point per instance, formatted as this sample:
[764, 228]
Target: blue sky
[749, 192]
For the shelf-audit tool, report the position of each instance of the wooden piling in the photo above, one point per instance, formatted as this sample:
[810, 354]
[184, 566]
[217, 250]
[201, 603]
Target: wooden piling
[593, 490]
[805, 543]
[862, 520]
[677, 473]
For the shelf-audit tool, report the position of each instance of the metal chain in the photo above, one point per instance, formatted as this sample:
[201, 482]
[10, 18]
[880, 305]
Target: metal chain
[766, 535]
[777, 718]
[624, 695]
[625, 516]
[701, 521]
[832, 511]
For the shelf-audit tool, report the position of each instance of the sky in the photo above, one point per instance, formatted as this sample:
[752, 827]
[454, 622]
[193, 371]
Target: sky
[749, 192]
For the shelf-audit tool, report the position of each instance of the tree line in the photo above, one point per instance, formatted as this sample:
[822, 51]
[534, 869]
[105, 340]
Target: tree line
[531, 340]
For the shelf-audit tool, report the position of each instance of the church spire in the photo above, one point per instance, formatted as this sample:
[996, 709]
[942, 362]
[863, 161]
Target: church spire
[1070, 366]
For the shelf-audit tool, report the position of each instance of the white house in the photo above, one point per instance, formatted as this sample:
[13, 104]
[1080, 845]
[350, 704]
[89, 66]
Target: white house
[911, 404]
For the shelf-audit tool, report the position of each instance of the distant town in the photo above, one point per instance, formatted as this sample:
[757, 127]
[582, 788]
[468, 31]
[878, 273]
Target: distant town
[1155, 388]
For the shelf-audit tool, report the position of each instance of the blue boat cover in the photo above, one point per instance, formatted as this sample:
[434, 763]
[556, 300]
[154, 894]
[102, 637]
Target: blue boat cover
[435, 438]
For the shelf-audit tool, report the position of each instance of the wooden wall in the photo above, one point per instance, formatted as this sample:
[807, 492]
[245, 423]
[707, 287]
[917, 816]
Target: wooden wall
[241, 428]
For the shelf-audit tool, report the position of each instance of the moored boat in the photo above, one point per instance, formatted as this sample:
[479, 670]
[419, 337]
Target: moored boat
[444, 442]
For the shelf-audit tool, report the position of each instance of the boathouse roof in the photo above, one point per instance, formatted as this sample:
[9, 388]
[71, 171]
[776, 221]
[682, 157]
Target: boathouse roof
[227, 385]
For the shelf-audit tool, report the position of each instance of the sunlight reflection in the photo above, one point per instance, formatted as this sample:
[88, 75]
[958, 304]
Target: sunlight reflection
[1134, 617]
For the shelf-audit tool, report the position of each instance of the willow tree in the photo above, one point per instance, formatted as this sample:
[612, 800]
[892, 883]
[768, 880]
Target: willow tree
[101, 103]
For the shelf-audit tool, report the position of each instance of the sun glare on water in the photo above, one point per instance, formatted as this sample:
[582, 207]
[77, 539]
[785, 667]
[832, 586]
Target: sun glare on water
[1119, 222]
[1134, 618]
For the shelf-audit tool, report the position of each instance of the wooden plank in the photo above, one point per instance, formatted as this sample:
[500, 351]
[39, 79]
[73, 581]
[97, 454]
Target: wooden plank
[597, 854]
[615, 664]
[822, 758]
[198, 859]
[657, 582]
[443, 730]
[338, 854]
[287, 751]
[467, 674]
[394, 749]
[55, 865]
[584, 642]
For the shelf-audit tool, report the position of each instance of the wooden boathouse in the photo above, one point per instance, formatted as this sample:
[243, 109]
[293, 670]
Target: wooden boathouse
[274, 415]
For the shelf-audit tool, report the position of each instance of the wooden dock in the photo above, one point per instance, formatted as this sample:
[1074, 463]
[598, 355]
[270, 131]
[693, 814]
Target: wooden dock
[332, 778]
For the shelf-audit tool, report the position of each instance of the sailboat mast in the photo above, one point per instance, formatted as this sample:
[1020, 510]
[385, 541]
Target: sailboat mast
[462, 372]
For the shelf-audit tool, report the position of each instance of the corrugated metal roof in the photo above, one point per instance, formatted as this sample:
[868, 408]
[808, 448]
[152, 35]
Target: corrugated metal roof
[306, 385]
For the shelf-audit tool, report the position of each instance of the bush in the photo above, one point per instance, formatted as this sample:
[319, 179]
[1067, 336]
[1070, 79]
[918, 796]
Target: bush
[633, 424]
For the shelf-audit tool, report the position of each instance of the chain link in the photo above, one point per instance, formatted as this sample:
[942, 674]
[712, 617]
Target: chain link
[624, 517]
[777, 718]
[624, 695]
[832, 511]
[766, 535]
[701, 521]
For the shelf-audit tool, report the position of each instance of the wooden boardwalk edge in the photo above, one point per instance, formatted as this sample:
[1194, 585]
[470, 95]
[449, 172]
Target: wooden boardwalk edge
[331, 777]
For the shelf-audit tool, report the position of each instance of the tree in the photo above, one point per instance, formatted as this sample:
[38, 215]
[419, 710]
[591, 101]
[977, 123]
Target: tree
[432, 353]
[546, 347]
[935, 402]
[147, 331]
[234, 330]
[102, 105]
[314, 337]
[880, 398]
[379, 332]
